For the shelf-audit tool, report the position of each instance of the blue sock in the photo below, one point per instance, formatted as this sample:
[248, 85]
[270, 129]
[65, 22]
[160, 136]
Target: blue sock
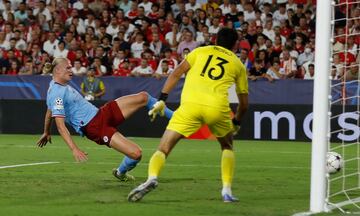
[168, 113]
[127, 164]
[152, 101]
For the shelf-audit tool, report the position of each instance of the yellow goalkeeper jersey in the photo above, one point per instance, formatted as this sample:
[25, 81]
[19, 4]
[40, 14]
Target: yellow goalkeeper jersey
[213, 71]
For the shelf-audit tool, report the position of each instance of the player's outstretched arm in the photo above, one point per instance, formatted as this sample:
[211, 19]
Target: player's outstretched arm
[159, 107]
[79, 155]
[46, 137]
[175, 76]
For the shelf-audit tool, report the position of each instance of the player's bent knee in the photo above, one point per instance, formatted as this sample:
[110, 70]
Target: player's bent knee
[143, 97]
[136, 155]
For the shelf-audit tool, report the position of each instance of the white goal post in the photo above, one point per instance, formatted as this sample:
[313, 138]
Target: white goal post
[334, 99]
[321, 128]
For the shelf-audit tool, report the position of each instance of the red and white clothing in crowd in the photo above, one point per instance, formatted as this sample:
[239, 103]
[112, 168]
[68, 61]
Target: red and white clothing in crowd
[288, 66]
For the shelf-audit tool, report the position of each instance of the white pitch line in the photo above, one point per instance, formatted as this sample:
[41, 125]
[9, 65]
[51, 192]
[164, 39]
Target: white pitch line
[201, 165]
[29, 164]
[154, 149]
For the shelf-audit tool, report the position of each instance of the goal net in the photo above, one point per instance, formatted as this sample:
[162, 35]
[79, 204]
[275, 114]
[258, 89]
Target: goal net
[336, 106]
[343, 188]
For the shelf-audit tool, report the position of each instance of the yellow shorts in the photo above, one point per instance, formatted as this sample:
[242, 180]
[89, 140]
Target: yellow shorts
[189, 117]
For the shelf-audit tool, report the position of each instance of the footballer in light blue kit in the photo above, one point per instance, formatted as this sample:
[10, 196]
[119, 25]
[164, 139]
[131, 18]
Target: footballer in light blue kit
[66, 105]
[64, 101]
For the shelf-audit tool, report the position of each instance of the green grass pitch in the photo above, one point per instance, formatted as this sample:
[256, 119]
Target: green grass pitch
[271, 178]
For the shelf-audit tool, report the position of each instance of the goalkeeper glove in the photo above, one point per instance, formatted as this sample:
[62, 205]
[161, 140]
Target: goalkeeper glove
[236, 126]
[158, 108]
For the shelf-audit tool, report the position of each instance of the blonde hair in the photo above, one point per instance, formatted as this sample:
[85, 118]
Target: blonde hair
[49, 67]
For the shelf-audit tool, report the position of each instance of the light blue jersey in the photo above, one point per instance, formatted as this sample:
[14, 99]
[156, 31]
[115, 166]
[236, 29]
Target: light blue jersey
[65, 101]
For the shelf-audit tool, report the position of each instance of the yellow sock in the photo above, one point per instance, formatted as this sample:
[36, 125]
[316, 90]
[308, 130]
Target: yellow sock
[157, 161]
[227, 167]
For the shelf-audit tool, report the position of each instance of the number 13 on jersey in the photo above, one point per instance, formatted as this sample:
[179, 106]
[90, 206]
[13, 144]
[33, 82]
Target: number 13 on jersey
[210, 71]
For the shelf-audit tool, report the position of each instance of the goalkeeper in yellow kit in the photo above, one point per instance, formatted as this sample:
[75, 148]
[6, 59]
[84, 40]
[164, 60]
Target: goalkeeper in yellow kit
[210, 72]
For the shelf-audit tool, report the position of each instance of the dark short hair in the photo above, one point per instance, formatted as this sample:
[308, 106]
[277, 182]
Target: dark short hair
[258, 61]
[227, 38]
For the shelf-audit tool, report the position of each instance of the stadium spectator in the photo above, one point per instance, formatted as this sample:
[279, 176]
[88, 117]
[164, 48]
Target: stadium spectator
[61, 51]
[177, 7]
[249, 13]
[146, 4]
[306, 56]
[124, 5]
[260, 40]
[156, 45]
[266, 11]
[141, 17]
[137, 45]
[43, 59]
[188, 42]
[339, 67]
[90, 52]
[124, 69]
[268, 31]
[351, 72]
[42, 9]
[20, 13]
[102, 55]
[307, 70]
[215, 27]
[274, 71]
[89, 21]
[164, 71]
[207, 39]
[7, 12]
[124, 45]
[151, 59]
[143, 70]
[258, 71]
[280, 15]
[51, 44]
[263, 56]
[352, 47]
[118, 59]
[171, 61]
[173, 37]
[277, 45]
[80, 56]
[4, 62]
[20, 42]
[288, 64]
[78, 69]
[4, 44]
[186, 24]
[92, 88]
[202, 18]
[100, 70]
[192, 5]
[107, 46]
[299, 44]
[210, 4]
[28, 68]
[244, 53]
[17, 53]
[96, 6]
[13, 69]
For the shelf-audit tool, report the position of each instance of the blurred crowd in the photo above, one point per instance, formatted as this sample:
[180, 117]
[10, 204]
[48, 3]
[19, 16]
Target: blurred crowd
[149, 38]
